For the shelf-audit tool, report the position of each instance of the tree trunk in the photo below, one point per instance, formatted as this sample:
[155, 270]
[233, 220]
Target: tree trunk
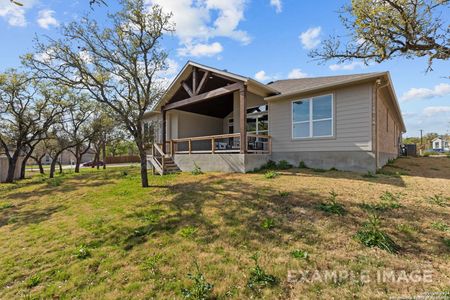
[12, 161]
[24, 163]
[77, 159]
[143, 157]
[53, 166]
[60, 167]
[41, 168]
[104, 155]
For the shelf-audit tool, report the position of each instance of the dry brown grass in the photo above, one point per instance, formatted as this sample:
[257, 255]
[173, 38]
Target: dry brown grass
[143, 242]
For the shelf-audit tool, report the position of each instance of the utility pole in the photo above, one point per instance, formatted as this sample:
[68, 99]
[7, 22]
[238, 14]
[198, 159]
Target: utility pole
[421, 138]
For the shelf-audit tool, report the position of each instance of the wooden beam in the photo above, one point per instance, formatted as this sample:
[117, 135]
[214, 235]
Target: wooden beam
[187, 89]
[224, 77]
[164, 125]
[203, 81]
[194, 81]
[205, 96]
[243, 118]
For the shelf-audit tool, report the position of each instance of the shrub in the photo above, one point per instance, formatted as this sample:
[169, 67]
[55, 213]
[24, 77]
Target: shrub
[271, 174]
[441, 226]
[300, 254]
[197, 170]
[83, 252]
[369, 175]
[258, 278]
[371, 235]
[188, 232]
[200, 289]
[283, 165]
[302, 165]
[428, 153]
[332, 206]
[268, 223]
[317, 170]
[334, 169]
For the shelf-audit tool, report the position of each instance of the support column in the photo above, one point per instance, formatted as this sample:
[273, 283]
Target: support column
[164, 129]
[243, 118]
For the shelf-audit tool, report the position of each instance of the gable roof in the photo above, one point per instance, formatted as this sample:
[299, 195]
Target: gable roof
[253, 85]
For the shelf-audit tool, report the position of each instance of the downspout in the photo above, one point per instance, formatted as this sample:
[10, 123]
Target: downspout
[378, 87]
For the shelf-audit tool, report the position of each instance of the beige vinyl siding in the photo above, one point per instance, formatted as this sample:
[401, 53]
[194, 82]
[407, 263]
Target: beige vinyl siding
[352, 123]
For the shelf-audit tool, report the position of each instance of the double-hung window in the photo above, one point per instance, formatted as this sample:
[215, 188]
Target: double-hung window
[312, 117]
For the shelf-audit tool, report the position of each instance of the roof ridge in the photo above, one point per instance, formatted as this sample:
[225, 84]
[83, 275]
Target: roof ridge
[328, 76]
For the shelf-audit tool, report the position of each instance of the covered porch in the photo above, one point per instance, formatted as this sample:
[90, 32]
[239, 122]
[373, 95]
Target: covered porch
[212, 112]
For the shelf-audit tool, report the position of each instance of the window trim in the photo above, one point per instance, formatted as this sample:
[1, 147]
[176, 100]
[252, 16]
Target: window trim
[311, 120]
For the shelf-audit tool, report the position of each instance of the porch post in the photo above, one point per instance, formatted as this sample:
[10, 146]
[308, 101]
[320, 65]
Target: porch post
[243, 118]
[164, 125]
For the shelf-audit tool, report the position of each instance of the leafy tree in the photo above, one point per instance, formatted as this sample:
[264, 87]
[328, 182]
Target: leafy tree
[380, 30]
[27, 110]
[119, 64]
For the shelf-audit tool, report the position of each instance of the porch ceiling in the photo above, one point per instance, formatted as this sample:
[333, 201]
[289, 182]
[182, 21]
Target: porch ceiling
[218, 107]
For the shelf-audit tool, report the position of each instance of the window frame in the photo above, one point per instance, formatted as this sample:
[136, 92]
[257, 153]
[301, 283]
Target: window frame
[257, 116]
[311, 118]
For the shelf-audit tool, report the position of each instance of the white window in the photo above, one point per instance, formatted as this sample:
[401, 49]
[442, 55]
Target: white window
[312, 117]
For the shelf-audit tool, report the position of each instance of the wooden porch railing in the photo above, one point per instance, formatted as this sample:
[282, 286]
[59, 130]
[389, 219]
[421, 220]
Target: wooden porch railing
[223, 143]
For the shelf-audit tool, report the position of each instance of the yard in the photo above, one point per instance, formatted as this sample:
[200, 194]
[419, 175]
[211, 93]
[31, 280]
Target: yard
[98, 235]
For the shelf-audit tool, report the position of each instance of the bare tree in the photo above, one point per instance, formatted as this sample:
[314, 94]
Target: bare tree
[119, 65]
[27, 110]
[380, 30]
[39, 152]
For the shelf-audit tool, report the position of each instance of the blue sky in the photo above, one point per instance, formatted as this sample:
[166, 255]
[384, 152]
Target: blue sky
[264, 39]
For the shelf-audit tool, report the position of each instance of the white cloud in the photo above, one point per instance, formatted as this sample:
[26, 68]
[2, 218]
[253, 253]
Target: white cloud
[262, 76]
[46, 18]
[440, 90]
[434, 110]
[277, 4]
[15, 14]
[199, 50]
[297, 73]
[310, 38]
[346, 67]
[198, 21]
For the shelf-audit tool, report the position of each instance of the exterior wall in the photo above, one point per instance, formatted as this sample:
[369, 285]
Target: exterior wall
[4, 168]
[388, 128]
[182, 124]
[355, 161]
[231, 163]
[352, 123]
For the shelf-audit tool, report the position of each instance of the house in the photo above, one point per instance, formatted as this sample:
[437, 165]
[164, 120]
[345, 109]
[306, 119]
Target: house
[221, 121]
[440, 144]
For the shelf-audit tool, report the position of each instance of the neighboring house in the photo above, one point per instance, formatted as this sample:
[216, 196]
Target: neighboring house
[440, 144]
[67, 158]
[222, 121]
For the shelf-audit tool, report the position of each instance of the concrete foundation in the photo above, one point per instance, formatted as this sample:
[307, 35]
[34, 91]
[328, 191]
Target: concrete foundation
[356, 161]
[384, 157]
[230, 163]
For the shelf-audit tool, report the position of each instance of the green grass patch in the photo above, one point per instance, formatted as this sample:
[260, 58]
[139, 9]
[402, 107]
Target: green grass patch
[300, 254]
[371, 235]
[271, 174]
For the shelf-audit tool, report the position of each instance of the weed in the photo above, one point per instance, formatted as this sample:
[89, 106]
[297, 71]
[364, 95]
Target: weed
[152, 262]
[270, 174]
[388, 201]
[441, 226]
[405, 228]
[268, 223]
[334, 169]
[33, 281]
[302, 165]
[6, 206]
[371, 235]
[283, 194]
[83, 252]
[446, 242]
[332, 206]
[55, 182]
[258, 278]
[197, 170]
[201, 289]
[300, 254]
[438, 199]
[188, 232]
[124, 173]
